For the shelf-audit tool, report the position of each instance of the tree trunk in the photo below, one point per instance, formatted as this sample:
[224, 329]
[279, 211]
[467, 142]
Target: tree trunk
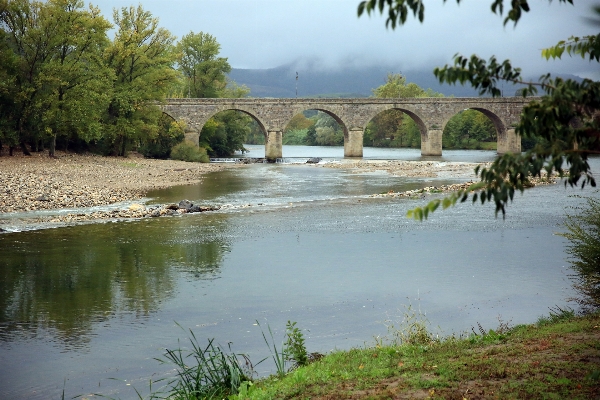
[51, 151]
[24, 148]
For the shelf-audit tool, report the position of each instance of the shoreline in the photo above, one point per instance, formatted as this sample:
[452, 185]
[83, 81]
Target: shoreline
[74, 181]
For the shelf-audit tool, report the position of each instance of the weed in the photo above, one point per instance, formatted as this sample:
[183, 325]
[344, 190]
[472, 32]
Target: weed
[214, 373]
[556, 314]
[413, 329]
[294, 346]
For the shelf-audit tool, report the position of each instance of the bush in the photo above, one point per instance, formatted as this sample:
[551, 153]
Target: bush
[188, 151]
[584, 248]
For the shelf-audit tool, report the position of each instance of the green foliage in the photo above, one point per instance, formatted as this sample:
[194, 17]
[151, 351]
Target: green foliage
[255, 134]
[412, 328]
[329, 136]
[204, 75]
[225, 133]
[187, 151]
[583, 233]
[466, 127]
[169, 134]
[396, 87]
[398, 9]
[564, 122]
[279, 356]
[141, 57]
[393, 128]
[311, 136]
[298, 121]
[328, 131]
[294, 345]
[295, 137]
[58, 83]
[556, 315]
[203, 71]
[213, 374]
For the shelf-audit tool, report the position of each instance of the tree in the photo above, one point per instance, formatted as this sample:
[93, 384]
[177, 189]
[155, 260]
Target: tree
[467, 127]
[141, 58]
[566, 116]
[8, 90]
[59, 85]
[203, 71]
[77, 82]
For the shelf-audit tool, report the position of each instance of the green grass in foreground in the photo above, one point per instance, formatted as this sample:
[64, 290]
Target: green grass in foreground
[556, 358]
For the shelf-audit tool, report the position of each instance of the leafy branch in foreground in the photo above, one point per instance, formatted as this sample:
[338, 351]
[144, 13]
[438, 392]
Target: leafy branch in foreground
[398, 10]
[566, 117]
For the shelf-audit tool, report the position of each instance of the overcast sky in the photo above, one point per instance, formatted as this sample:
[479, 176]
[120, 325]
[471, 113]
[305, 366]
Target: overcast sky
[328, 33]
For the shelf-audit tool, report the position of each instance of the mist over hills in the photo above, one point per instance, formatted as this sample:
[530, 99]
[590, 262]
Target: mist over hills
[280, 82]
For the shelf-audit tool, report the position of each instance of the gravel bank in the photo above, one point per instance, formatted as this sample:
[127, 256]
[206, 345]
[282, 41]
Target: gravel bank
[70, 180]
[414, 169]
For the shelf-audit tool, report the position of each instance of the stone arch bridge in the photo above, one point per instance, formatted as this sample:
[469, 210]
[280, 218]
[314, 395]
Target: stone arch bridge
[430, 115]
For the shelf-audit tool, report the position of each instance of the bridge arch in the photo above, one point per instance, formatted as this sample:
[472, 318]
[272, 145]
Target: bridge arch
[503, 131]
[332, 113]
[419, 121]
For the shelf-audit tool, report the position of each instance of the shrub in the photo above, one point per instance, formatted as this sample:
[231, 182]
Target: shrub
[187, 151]
[584, 248]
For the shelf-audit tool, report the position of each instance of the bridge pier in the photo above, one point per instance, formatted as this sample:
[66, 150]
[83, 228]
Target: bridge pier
[431, 143]
[510, 142]
[274, 145]
[353, 145]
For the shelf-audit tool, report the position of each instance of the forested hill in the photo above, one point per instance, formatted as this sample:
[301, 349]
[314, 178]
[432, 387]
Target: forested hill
[341, 82]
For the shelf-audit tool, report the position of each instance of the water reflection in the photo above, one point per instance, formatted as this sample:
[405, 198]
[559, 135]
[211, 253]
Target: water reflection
[65, 280]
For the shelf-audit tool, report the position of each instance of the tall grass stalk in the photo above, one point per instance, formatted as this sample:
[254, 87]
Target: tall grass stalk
[279, 356]
[205, 372]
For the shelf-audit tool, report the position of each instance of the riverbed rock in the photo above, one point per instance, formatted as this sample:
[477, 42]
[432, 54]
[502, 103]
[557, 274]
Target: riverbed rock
[185, 204]
[171, 206]
[313, 160]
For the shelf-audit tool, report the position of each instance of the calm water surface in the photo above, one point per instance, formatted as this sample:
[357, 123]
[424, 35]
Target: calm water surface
[81, 305]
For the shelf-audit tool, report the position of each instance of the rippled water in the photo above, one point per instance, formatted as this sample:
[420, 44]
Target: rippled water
[89, 303]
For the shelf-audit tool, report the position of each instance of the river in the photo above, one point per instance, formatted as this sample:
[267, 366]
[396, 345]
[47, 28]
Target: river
[87, 309]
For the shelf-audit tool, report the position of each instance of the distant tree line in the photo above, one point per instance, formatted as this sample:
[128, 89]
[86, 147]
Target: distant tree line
[64, 83]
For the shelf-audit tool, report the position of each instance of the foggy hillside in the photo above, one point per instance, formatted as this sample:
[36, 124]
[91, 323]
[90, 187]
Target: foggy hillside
[280, 82]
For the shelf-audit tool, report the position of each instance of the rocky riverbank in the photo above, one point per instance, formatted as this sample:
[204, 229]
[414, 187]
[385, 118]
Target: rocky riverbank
[75, 181]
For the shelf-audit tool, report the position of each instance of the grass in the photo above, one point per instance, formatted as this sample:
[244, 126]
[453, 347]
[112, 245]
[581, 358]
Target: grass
[556, 358]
